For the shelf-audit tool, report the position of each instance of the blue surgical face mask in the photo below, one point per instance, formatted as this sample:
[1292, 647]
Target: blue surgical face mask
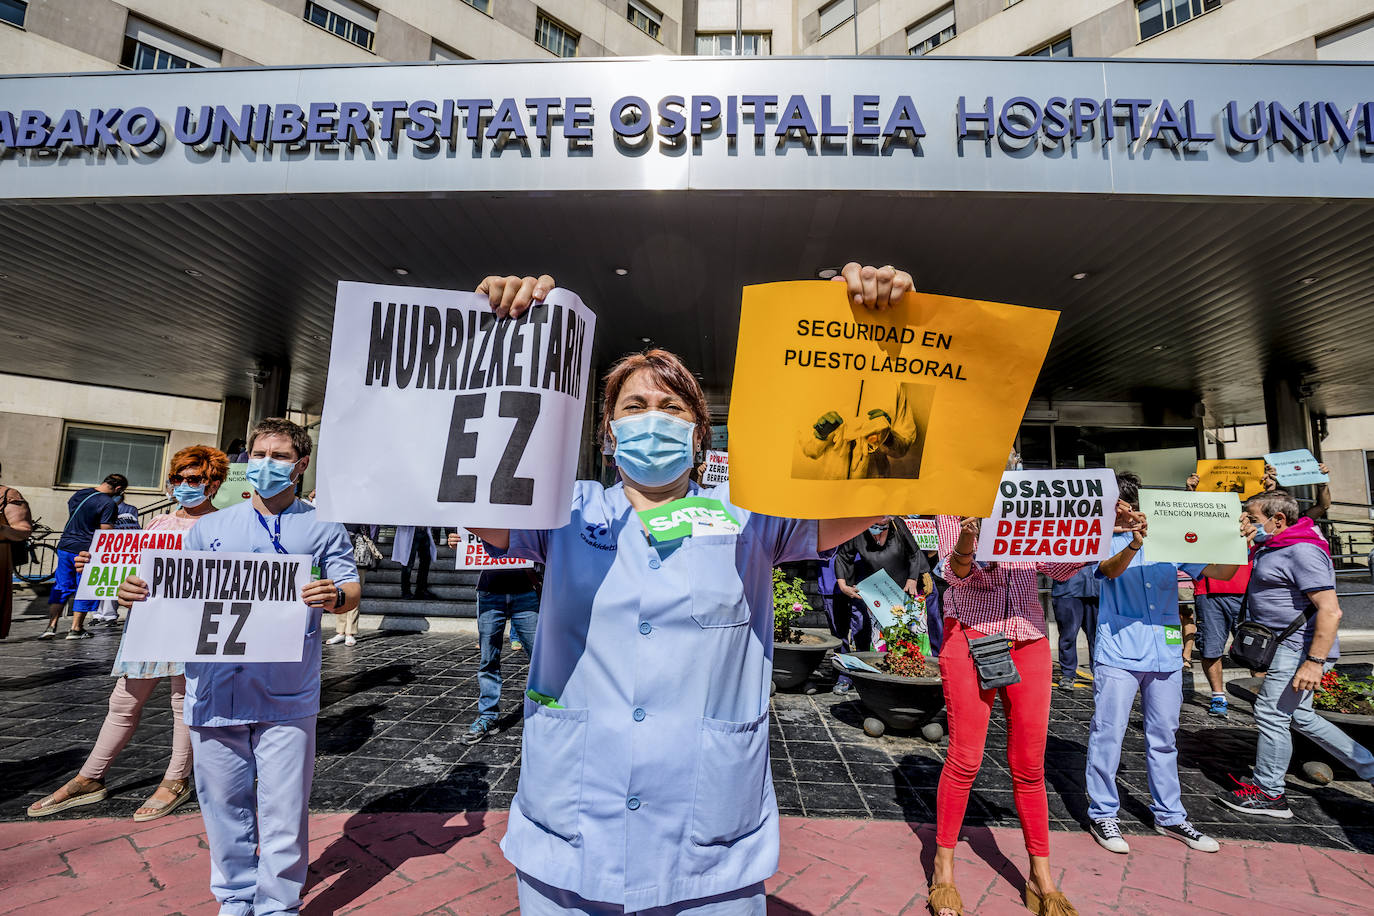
[1260, 535]
[876, 530]
[653, 448]
[269, 476]
[189, 496]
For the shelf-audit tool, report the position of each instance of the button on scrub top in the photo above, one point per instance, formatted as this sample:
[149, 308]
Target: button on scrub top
[651, 784]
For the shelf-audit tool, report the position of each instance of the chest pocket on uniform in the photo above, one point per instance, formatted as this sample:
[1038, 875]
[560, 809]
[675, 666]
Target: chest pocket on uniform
[717, 591]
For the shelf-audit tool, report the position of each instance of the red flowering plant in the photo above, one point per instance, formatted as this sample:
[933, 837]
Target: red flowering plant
[1341, 693]
[908, 643]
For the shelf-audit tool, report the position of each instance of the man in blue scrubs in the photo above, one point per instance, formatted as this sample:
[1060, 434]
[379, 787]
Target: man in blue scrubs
[255, 723]
[1139, 650]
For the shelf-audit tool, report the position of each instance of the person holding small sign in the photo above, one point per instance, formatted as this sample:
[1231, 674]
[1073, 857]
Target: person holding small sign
[195, 475]
[253, 725]
[644, 777]
[1139, 651]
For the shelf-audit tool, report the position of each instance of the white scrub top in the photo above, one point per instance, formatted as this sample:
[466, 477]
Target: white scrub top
[652, 784]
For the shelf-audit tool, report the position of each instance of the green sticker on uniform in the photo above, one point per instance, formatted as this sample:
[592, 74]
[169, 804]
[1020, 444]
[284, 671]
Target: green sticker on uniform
[1173, 636]
[692, 515]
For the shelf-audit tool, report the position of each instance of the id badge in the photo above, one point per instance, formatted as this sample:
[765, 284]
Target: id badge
[1173, 636]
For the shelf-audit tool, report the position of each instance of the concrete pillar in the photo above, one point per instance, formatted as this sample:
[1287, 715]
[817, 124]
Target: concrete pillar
[270, 386]
[1286, 415]
[233, 420]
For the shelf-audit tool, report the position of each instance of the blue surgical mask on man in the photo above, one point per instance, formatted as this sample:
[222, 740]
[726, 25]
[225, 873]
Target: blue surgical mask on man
[269, 476]
[189, 496]
[653, 448]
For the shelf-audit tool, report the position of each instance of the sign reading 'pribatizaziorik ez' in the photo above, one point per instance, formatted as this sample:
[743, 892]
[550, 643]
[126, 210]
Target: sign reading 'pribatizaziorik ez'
[1051, 516]
[205, 606]
[436, 410]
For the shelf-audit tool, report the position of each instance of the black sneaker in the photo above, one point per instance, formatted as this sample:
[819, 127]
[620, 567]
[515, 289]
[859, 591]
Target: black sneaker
[480, 730]
[1107, 832]
[1187, 833]
[79, 634]
[1251, 799]
[49, 633]
[1067, 683]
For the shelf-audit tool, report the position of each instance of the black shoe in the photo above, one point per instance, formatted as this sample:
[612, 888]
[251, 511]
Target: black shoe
[1187, 833]
[1107, 832]
[78, 634]
[1251, 799]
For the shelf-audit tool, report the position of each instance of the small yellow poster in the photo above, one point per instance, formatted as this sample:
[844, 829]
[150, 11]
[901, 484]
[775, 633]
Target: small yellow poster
[838, 410]
[1245, 476]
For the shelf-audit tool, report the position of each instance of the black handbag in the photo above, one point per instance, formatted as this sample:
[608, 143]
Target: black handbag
[1254, 644]
[992, 654]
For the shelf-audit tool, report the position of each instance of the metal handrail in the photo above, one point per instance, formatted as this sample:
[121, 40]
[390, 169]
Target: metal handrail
[158, 508]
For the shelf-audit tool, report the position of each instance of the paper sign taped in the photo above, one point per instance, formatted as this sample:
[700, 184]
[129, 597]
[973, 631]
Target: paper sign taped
[717, 468]
[925, 532]
[1051, 516]
[1244, 477]
[114, 557]
[1193, 527]
[840, 411]
[472, 554]
[206, 606]
[1296, 468]
[235, 488]
[434, 410]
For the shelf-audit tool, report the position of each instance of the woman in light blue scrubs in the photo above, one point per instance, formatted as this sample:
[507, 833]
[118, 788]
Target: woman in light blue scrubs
[644, 777]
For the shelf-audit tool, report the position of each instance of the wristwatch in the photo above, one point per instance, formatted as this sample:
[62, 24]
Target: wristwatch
[338, 597]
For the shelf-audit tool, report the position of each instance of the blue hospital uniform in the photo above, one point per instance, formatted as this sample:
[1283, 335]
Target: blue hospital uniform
[651, 785]
[1133, 656]
[257, 722]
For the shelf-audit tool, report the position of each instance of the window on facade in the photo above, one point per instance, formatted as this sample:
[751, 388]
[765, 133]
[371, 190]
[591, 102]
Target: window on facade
[91, 453]
[351, 21]
[1161, 15]
[151, 47]
[834, 13]
[1062, 47]
[555, 37]
[722, 44]
[935, 30]
[440, 51]
[1355, 42]
[12, 11]
[645, 18]
[1009, 4]
[483, 5]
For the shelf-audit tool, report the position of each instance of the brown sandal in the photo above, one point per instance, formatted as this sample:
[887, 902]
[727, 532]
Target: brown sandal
[1052, 904]
[944, 897]
[181, 788]
[47, 805]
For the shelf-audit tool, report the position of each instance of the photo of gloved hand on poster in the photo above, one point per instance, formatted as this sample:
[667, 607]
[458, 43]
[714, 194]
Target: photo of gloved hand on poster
[881, 436]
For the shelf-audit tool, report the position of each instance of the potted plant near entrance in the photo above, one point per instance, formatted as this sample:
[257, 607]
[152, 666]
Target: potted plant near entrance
[797, 652]
[1343, 698]
[900, 686]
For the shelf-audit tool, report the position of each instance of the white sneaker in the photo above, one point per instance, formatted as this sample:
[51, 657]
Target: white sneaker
[1107, 832]
[336, 639]
[350, 641]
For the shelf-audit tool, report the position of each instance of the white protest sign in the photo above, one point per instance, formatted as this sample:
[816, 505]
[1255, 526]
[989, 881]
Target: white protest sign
[472, 554]
[1296, 468]
[1051, 516]
[717, 468]
[205, 606]
[434, 410]
[925, 532]
[114, 557]
[882, 596]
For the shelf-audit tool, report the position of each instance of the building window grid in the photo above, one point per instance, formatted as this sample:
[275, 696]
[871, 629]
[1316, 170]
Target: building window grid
[1060, 47]
[341, 26]
[555, 37]
[140, 56]
[91, 452]
[1156, 17]
[14, 11]
[482, 6]
[644, 18]
[921, 40]
[722, 44]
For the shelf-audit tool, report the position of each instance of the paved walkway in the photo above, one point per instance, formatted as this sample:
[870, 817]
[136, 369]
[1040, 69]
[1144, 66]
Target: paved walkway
[401, 864]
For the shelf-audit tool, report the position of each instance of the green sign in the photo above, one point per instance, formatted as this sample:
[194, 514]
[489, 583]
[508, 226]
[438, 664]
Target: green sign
[235, 488]
[692, 515]
[1193, 527]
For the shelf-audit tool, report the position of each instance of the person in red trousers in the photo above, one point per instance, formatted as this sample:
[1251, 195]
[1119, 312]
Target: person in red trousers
[983, 599]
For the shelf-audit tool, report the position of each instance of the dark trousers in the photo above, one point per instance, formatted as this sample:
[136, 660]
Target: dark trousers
[850, 623]
[1072, 615]
[419, 551]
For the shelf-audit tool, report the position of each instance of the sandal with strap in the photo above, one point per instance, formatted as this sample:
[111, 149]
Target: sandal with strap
[1052, 904]
[181, 788]
[945, 897]
[75, 798]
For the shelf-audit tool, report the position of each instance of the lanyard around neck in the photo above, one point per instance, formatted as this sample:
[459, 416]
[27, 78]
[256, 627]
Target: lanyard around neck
[275, 536]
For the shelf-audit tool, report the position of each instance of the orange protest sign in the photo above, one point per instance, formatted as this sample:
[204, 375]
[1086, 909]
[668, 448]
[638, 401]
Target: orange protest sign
[1245, 476]
[839, 411]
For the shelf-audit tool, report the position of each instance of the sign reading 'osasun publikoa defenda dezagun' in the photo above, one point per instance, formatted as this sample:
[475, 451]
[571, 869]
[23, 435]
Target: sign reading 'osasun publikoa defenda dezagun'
[1048, 516]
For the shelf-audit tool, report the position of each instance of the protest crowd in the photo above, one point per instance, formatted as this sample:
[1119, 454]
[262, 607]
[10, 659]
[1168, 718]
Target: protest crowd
[669, 757]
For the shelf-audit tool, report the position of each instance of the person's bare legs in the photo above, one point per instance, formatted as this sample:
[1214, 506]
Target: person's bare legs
[1212, 668]
[943, 873]
[78, 620]
[1041, 881]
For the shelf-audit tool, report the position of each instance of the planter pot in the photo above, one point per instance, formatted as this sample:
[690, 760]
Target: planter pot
[1359, 727]
[900, 702]
[1247, 688]
[794, 663]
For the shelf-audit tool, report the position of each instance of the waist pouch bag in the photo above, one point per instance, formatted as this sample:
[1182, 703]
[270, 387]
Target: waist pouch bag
[992, 660]
[1254, 644]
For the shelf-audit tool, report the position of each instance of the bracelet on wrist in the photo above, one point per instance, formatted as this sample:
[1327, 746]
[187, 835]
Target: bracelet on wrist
[1316, 661]
[963, 556]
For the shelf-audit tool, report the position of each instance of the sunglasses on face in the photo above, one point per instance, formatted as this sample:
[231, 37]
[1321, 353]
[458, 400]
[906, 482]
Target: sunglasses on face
[193, 480]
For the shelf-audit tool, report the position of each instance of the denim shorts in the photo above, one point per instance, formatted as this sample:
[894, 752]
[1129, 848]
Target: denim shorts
[1216, 621]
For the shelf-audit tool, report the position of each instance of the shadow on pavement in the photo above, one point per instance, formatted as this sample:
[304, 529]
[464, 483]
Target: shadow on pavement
[51, 676]
[18, 778]
[334, 689]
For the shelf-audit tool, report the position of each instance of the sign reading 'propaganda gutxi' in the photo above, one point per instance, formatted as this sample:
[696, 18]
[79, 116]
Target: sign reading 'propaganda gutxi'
[840, 411]
[1193, 527]
[205, 606]
[1042, 516]
[437, 411]
[114, 557]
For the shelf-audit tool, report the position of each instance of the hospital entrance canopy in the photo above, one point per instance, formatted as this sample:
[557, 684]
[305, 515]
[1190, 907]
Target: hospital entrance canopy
[1200, 225]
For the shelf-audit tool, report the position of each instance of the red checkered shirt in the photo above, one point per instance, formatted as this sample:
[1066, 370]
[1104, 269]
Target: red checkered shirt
[1002, 599]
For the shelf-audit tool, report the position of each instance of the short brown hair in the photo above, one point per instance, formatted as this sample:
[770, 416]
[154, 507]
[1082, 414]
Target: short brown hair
[215, 462]
[280, 426]
[1276, 502]
[667, 371]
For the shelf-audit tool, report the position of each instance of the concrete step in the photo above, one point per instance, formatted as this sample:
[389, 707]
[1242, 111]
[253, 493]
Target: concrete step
[401, 607]
[445, 592]
[436, 574]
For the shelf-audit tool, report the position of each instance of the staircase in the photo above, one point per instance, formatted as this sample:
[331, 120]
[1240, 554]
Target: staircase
[383, 607]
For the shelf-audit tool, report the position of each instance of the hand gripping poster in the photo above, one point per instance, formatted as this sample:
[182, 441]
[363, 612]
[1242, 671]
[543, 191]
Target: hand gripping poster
[841, 411]
[438, 413]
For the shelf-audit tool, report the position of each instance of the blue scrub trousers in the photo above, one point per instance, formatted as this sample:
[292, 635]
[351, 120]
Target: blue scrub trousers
[259, 840]
[1161, 697]
[65, 583]
[540, 899]
[493, 610]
